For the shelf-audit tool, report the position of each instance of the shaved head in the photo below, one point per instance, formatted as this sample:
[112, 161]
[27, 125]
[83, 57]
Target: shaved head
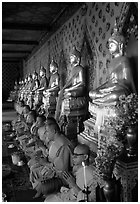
[82, 149]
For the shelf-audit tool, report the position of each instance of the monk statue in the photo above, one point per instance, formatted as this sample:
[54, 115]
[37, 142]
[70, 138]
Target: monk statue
[120, 81]
[53, 87]
[75, 86]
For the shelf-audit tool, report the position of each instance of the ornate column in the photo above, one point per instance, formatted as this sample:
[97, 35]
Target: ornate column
[127, 172]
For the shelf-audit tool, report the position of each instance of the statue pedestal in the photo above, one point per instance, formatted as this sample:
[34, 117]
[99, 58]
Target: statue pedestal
[50, 101]
[88, 136]
[94, 134]
[75, 110]
[38, 97]
[127, 171]
[30, 99]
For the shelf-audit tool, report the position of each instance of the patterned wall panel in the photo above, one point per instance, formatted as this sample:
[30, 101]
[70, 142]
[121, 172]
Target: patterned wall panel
[10, 73]
[96, 18]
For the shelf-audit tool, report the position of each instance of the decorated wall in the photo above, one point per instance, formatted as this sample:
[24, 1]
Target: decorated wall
[89, 30]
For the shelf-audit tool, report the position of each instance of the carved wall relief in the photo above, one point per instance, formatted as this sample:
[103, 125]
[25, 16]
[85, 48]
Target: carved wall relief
[97, 19]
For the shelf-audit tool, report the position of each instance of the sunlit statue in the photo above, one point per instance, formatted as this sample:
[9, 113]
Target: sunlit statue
[120, 80]
[75, 86]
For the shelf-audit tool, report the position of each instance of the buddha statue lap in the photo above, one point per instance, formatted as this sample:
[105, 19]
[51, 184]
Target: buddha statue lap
[51, 93]
[120, 81]
[72, 102]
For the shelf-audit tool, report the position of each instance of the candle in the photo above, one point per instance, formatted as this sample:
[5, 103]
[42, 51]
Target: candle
[99, 139]
[84, 167]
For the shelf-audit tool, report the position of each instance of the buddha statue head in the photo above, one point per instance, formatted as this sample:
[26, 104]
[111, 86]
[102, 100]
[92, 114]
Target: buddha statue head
[42, 71]
[116, 42]
[29, 77]
[35, 75]
[53, 66]
[75, 56]
[26, 79]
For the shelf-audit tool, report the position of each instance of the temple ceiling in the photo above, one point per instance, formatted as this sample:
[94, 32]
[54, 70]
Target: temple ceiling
[24, 25]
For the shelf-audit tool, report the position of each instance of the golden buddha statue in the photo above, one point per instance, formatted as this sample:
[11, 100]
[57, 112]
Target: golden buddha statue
[53, 87]
[120, 81]
[43, 86]
[28, 88]
[35, 82]
[51, 93]
[23, 88]
[75, 86]
[43, 80]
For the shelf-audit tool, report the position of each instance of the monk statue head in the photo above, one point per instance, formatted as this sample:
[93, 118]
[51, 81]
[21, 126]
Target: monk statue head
[75, 56]
[53, 66]
[116, 42]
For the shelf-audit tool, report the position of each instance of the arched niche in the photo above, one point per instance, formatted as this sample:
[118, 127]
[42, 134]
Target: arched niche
[62, 69]
[89, 59]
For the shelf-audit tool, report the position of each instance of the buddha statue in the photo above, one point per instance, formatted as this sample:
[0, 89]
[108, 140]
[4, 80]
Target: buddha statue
[23, 88]
[120, 81]
[43, 80]
[28, 88]
[53, 87]
[51, 93]
[42, 87]
[35, 82]
[75, 86]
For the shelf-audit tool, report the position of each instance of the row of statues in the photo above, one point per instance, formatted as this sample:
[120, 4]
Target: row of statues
[44, 91]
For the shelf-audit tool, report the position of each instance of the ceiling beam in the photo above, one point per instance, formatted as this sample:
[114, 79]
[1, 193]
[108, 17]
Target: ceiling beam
[11, 59]
[22, 42]
[16, 51]
[16, 26]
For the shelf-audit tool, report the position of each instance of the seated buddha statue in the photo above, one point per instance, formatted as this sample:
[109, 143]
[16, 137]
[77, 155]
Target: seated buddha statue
[43, 86]
[23, 88]
[53, 87]
[43, 80]
[28, 88]
[75, 86]
[51, 93]
[120, 81]
[35, 82]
